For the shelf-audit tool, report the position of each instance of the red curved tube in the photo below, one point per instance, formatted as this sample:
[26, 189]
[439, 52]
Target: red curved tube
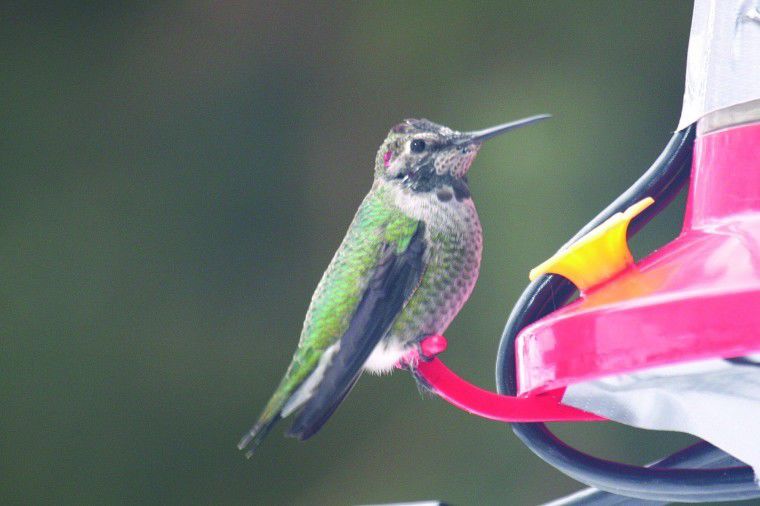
[477, 401]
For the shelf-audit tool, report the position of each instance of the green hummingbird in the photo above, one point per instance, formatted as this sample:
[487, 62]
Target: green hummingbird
[407, 265]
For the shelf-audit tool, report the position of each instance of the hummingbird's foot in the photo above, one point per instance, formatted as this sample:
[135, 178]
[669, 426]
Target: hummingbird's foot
[410, 359]
[425, 350]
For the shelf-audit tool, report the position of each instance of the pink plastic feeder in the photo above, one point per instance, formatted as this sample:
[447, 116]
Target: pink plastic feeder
[483, 403]
[695, 298]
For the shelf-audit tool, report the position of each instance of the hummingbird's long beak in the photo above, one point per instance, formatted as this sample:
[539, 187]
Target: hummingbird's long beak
[485, 134]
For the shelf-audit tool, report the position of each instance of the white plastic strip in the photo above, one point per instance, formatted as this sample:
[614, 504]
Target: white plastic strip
[716, 400]
[723, 63]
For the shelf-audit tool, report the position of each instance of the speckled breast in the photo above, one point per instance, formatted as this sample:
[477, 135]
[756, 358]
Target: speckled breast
[455, 244]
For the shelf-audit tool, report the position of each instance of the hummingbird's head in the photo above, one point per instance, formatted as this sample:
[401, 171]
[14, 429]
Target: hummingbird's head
[426, 156]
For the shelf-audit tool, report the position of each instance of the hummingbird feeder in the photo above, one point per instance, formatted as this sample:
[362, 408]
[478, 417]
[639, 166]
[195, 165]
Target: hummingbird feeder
[696, 298]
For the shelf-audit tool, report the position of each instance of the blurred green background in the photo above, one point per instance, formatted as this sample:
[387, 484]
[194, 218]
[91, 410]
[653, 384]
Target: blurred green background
[176, 176]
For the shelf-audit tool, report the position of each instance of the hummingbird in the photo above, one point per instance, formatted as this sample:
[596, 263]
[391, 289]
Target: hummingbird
[407, 265]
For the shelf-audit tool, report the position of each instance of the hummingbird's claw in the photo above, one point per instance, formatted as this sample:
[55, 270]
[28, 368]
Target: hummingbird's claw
[410, 359]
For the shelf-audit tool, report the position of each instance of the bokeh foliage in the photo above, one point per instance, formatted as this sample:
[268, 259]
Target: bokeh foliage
[176, 176]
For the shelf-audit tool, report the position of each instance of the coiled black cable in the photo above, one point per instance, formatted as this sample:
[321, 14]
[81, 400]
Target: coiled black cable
[700, 455]
[662, 181]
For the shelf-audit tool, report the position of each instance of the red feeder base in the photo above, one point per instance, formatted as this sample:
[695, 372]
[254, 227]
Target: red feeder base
[696, 298]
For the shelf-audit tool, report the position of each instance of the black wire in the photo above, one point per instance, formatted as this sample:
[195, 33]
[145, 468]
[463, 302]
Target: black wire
[662, 181]
[699, 455]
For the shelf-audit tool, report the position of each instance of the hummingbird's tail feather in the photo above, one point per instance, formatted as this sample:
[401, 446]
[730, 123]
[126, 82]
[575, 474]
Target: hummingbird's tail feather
[274, 411]
[294, 390]
[256, 435]
[316, 412]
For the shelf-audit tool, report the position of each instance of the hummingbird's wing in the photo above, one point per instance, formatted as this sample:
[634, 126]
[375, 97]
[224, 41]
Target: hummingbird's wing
[392, 283]
[371, 276]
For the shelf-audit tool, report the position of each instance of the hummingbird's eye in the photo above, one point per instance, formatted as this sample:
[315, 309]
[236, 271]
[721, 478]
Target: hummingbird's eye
[418, 146]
